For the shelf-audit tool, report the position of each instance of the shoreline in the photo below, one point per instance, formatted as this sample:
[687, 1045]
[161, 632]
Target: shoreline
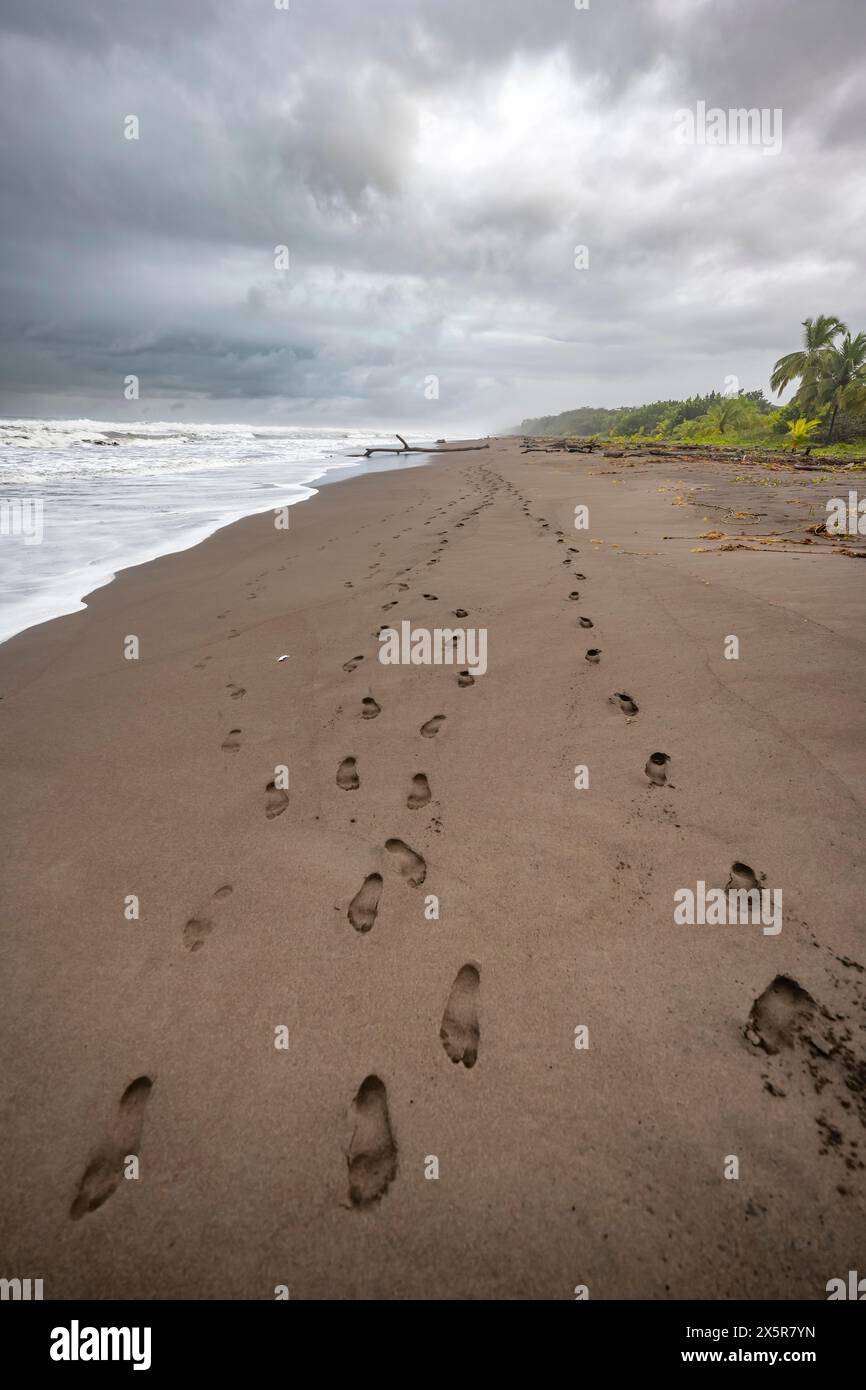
[558, 1164]
[190, 538]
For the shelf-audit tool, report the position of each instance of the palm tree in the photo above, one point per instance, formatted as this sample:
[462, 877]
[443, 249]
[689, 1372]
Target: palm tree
[727, 412]
[804, 366]
[841, 377]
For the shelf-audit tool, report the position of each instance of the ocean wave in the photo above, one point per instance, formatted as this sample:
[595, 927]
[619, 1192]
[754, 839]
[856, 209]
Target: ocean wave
[111, 495]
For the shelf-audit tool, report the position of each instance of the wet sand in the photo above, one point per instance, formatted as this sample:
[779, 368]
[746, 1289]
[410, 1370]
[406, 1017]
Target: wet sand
[309, 917]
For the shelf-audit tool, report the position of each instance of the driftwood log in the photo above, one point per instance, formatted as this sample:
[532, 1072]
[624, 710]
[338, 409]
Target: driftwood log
[416, 449]
[682, 451]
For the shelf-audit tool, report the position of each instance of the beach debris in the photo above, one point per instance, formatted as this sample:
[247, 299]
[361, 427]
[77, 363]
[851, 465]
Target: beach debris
[284, 657]
[416, 449]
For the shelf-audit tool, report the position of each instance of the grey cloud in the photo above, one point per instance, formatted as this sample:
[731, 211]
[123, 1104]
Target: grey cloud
[431, 164]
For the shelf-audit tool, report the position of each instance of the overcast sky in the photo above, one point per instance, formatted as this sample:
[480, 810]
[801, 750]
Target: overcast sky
[431, 166]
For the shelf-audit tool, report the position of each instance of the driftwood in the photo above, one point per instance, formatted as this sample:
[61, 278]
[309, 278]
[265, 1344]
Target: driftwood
[560, 446]
[416, 449]
[682, 451]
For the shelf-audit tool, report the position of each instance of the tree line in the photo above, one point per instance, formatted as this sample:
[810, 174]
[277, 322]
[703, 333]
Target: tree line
[829, 403]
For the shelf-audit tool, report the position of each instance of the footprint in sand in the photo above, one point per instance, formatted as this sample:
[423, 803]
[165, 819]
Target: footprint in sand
[105, 1170]
[369, 708]
[198, 929]
[585, 622]
[196, 932]
[347, 775]
[624, 702]
[372, 1152]
[277, 800]
[464, 678]
[461, 613]
[459, 1032]
[432, 597]
[431, 728]
[364, 907]
[392, 604]
[574, 595]
[593, 655]
[236, 692]
[232, 741]
[656, 768]
[420, 793]
[350, 665]
[411, 865]
[742, 876]
[780, 1015]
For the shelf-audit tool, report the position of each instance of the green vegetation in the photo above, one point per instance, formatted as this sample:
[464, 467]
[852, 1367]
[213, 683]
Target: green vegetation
[828, 410]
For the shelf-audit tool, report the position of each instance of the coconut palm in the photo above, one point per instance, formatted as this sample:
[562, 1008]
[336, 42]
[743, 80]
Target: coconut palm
[804, 366]
[728, 412]
[841, 375]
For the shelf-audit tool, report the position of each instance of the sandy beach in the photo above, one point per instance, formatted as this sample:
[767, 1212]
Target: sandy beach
[423, 1025]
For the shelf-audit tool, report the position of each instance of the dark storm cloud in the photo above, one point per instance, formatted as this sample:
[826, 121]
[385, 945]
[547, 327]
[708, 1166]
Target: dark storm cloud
[431, 165]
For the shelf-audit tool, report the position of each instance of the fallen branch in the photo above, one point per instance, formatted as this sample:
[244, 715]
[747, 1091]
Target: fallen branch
[415, 449]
